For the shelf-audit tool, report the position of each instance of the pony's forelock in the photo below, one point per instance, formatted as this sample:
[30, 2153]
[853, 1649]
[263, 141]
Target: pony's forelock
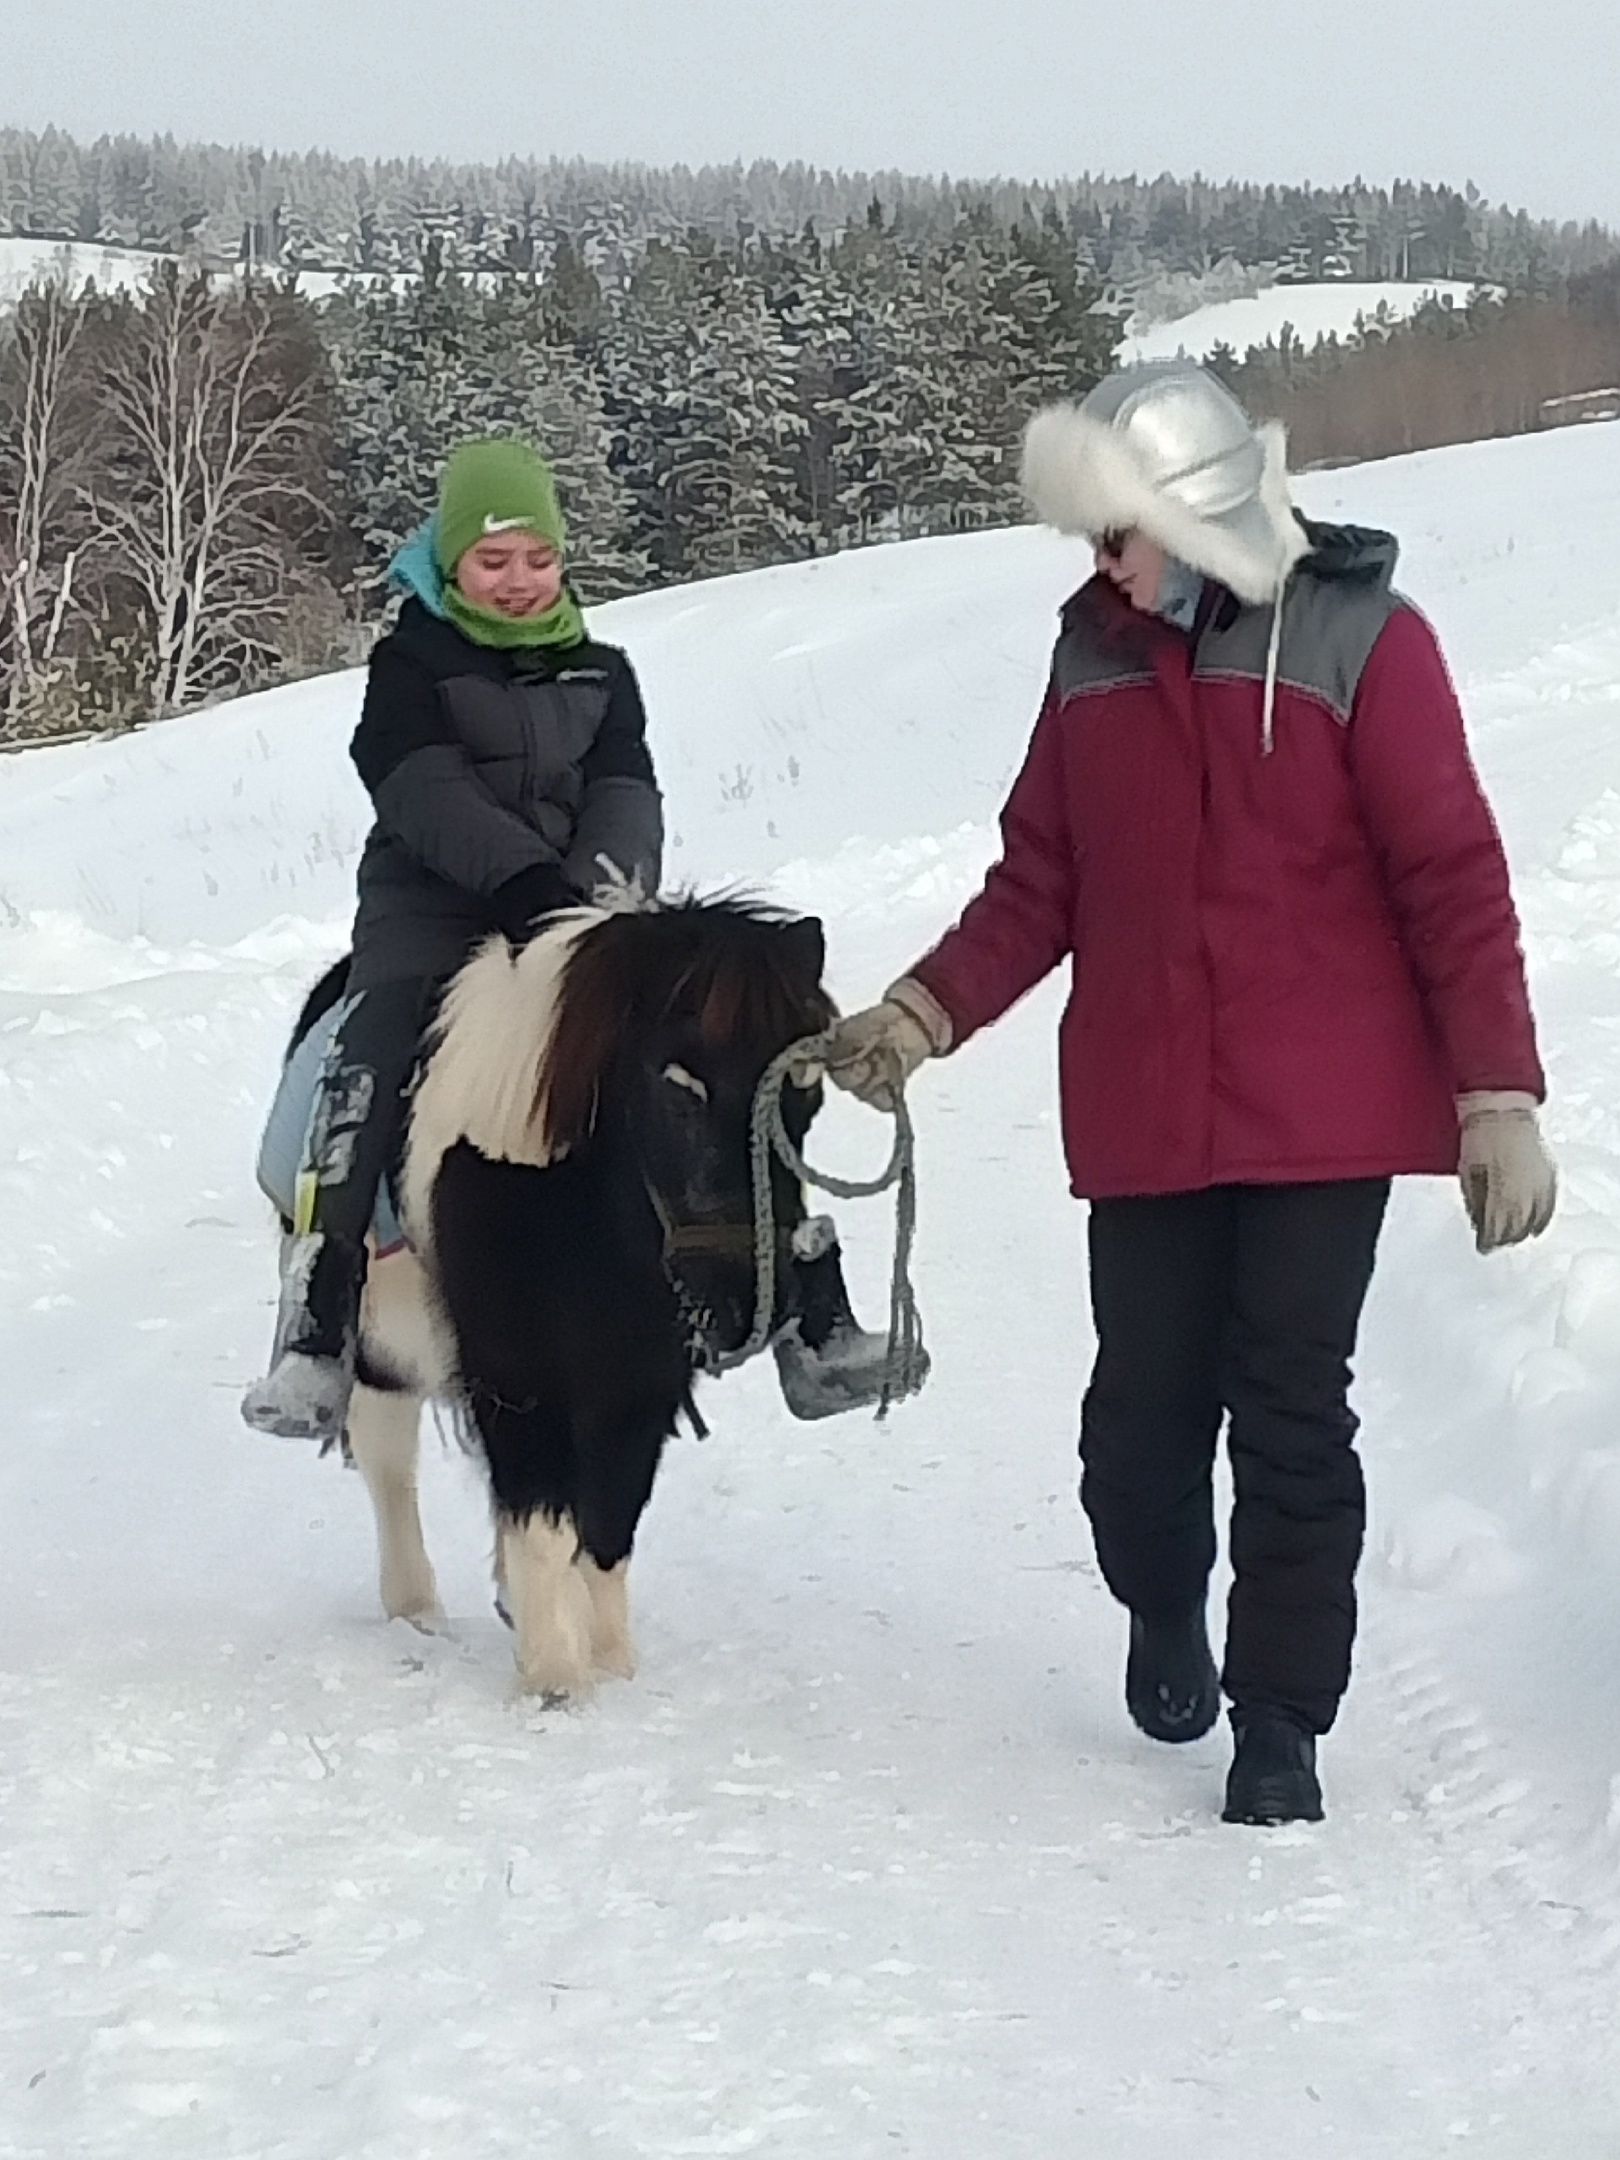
[727, 964]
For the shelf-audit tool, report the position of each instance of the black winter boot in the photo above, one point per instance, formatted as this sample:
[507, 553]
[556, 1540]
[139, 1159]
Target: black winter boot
[1171, 1686]
[1273, 1776]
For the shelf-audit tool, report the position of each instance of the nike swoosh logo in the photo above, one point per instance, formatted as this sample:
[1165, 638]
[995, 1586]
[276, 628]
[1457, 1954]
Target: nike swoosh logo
[500, 525]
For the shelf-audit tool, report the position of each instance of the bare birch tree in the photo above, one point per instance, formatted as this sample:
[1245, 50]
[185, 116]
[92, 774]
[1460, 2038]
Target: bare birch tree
[215, 408]
[46, 445]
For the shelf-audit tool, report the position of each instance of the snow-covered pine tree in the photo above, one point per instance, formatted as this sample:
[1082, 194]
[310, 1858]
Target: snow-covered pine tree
[398, 365]
[54, 187]
[732, 463]
[642, 372]
[939, 389]
[420, 369]
[828, 335]
[521, 377]
[13, 182]
[572, 307]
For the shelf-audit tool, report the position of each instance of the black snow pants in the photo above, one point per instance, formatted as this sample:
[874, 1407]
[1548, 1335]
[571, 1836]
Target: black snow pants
[360, 1117]
[358, 1127]
[1238, 1304]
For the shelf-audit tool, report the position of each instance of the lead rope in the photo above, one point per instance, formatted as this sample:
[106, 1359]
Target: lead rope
[905, 1363]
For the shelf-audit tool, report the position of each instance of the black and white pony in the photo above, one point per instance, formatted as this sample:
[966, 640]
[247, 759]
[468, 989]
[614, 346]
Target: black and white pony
[576, 1195]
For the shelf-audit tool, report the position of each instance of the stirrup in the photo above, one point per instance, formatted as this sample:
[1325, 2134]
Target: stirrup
[302, 1397]
[850, 1371]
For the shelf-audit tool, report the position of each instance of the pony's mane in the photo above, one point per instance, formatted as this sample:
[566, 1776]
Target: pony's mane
[729, 964]
[491, 1035]
[524, 1041]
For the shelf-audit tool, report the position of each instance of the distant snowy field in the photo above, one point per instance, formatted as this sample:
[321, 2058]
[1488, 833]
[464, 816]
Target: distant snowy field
[869, 1860]
[113, 269]
[1312, 311]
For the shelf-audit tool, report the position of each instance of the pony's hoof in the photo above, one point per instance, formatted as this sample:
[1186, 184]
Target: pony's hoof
[553, 1690]
[413, 1599]
[558, 1672]
[616, 1659]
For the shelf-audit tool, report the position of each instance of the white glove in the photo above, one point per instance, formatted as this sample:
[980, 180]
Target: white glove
[874, 1052]
[1509, 1180]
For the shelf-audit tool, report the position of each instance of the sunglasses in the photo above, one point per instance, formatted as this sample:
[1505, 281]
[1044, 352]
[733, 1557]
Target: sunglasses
[1113, 542]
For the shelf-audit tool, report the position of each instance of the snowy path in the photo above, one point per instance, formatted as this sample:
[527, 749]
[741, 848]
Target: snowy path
[868, 1861]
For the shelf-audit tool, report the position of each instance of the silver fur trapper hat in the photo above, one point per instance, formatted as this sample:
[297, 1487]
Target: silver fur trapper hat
[1164, 448]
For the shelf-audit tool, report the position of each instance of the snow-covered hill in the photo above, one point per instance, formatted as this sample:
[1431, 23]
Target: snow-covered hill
[869, 1860]
[1310, 311]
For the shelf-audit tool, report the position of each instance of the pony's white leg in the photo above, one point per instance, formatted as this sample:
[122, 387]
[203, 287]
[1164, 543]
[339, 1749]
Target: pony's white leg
[384, 1436]
[612, 1648]
[551, 1608]
[503, 1596]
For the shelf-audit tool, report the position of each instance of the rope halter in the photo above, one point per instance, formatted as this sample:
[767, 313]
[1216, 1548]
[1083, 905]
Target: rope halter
[802, 1064]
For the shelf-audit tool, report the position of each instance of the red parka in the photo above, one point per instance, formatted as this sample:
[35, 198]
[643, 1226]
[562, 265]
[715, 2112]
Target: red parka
[1293, 944]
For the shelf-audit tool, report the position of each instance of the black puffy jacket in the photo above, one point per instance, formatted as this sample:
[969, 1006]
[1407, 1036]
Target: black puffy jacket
[505, 783]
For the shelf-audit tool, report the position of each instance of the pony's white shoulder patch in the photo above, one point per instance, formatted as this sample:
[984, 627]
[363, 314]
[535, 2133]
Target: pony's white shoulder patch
[482, 1075]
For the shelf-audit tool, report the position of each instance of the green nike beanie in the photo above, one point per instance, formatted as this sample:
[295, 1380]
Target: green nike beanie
[493, 486]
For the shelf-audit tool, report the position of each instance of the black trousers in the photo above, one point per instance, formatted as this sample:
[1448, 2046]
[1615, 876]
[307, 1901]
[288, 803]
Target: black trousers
[360, 1117]
[358, 1127]
[1238, 1304]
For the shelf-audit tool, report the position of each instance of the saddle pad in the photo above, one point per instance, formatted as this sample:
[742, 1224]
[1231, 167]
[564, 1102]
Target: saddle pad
[286, 1131]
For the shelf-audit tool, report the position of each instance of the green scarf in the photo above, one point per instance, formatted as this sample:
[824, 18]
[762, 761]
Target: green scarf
[561, 625]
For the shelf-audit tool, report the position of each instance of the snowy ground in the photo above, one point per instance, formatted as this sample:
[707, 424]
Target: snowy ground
[1311, 311]
[869, 1860]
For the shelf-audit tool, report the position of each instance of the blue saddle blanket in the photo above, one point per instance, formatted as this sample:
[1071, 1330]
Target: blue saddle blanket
[286, 1131]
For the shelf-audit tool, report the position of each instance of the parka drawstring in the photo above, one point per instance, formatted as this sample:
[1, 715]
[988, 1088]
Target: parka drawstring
[1268, 721]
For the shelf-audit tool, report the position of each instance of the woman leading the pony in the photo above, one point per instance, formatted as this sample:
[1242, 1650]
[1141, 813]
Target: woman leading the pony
[1249, 820]
[504, 750]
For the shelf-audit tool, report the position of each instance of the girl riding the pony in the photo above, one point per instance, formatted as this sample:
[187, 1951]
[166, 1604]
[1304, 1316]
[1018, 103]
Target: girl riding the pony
[505, 753]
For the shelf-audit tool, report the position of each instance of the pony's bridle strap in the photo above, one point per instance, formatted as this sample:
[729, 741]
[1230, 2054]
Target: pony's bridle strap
[718, 1240]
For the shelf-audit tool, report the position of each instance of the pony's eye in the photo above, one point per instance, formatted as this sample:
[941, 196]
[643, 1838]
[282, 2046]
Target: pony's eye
[678, 1076]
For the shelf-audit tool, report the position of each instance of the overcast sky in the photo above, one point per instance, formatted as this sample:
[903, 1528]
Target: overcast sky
[1521, 96]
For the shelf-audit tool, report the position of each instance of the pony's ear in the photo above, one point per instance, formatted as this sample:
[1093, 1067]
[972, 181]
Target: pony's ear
[807, 950]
